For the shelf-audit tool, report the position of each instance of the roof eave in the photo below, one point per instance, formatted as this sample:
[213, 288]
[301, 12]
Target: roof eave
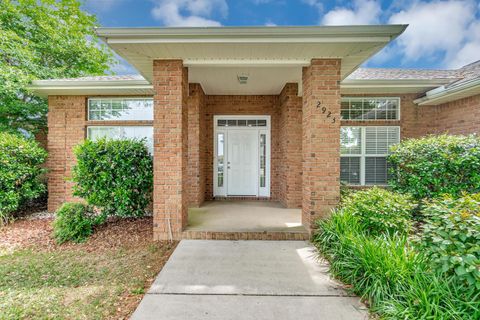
[436, 97]
[245, 34]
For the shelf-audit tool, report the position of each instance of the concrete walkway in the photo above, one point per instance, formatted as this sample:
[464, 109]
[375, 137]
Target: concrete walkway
[235, 280]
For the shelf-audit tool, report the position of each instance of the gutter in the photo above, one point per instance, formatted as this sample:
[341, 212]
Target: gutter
[445, 94]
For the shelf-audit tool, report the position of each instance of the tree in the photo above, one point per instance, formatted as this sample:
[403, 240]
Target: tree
[43, 39]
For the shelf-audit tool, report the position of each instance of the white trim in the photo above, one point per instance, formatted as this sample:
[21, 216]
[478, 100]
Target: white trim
[363, 155]
[399, 100]
[384, 33]
[223, 191]
[446, 94]
[117, 99]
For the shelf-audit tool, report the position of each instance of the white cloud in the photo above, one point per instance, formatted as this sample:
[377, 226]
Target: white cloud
[189, 13]
[362, 12]
[437, 27]
[470, 50]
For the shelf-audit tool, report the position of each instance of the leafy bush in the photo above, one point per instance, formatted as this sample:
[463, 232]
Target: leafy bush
[20, 172]
[431, 166]
[116, 176]
[380, 211]
[390, 274]
[74, 222]
[451, 237]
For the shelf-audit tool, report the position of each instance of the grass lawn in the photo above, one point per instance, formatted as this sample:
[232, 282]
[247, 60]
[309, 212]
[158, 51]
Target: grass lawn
[104, 278]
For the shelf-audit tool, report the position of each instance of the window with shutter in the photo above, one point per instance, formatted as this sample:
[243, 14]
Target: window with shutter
[364, 152]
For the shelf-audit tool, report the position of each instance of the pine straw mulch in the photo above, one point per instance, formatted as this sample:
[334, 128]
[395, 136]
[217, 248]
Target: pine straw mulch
[115, 233]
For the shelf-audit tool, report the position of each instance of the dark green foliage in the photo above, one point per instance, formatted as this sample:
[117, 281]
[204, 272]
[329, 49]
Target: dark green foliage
[431, 166]
[451, 237]
[43, 39]
[20, 172]
[74, 222]
[380, 211]
[115, 176]
[394, 277]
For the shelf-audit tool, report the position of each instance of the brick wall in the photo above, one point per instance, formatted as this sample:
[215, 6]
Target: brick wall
[321, 139]
[290, 147]
[66, 128]
[242, 105]
[196, 145]
[457, 117]
[170, 199]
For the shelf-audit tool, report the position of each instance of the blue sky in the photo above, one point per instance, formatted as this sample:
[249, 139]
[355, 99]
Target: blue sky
[443, 34]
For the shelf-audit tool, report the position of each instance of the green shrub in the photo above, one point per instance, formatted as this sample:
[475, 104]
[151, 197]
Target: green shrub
[115, 176]
[380, 211]
[376, 267]
[431, 166]
[74, 222]
[451, 237]
[390, 274]
[20, 172]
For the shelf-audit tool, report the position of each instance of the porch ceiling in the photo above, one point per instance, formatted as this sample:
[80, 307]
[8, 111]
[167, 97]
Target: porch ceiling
[270, 56]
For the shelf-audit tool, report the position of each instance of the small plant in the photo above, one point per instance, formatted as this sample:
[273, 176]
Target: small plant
[115, 176]
[435, 165]
[74, 222]
[20, 172]
[380, 211]
[451, 237]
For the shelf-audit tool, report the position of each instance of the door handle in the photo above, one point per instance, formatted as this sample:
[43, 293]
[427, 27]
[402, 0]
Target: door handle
[228, 167]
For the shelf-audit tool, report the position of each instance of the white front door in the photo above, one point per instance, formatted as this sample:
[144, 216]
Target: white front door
[242, 165]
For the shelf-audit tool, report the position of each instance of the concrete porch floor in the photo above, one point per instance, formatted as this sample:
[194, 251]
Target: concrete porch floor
[244, 216]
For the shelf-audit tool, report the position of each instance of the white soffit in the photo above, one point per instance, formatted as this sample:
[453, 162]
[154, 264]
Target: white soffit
[243, 48]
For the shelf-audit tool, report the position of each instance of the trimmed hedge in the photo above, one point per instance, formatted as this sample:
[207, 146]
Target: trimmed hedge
[435, 165]
[116, 176]
[20, 172]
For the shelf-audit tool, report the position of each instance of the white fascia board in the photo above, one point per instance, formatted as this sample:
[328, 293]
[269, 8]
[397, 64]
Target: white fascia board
[364, 83]
[442, 95]
[318, 34]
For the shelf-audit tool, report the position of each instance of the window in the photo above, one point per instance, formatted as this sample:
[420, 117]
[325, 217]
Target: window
[368, 109]
[220, 158]
[263, 159]
[123, 132]
[364, 153]
[241, 123]
[115, 109]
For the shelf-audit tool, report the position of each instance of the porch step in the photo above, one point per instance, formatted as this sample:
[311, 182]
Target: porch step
[245, 235]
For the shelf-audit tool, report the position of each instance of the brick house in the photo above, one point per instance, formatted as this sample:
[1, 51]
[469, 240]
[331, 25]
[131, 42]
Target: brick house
[272, 113]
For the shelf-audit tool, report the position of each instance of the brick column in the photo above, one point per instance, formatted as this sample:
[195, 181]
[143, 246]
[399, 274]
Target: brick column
[170, 81]
[196, 145]
[321, 139]
[290, 145]
[66, 129]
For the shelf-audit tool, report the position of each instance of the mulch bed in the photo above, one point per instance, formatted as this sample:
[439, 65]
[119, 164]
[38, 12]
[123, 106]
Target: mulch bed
[125, 233]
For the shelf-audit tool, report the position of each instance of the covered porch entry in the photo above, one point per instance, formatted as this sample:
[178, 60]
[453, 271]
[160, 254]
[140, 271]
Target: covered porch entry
[290, 74]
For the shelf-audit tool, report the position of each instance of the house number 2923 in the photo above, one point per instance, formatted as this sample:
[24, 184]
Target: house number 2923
[325, 111]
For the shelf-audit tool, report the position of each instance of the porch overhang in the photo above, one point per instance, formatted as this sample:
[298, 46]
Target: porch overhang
[269, 56]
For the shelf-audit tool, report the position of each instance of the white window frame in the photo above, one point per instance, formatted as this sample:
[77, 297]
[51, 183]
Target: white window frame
[398, 99]
[116, 99]
[120, 126]
[223, 191]
[363, 154]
